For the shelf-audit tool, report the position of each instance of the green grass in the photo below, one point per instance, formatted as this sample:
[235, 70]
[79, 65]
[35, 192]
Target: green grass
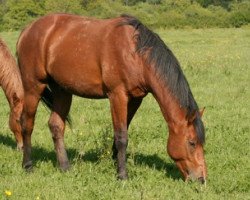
[216, 63]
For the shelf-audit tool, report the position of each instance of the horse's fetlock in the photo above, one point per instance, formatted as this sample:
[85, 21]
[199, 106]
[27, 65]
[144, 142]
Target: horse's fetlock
[121, 142]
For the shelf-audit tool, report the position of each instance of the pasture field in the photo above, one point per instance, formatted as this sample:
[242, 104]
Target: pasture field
[216, 63]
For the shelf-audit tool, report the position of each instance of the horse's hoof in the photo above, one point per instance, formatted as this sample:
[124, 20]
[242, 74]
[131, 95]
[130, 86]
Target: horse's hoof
[122, 176]
[28, 166]
[65, 167]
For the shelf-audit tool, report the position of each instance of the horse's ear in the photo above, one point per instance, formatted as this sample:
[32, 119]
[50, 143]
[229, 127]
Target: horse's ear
[201, 112]
[192, 117]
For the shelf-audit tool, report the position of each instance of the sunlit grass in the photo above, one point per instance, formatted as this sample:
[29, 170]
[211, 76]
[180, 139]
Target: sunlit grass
[217, 65]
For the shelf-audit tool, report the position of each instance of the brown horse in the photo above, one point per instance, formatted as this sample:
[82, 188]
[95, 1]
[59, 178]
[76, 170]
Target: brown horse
[119, 59]
[10, 80]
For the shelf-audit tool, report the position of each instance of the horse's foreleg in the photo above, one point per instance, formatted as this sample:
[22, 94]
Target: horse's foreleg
[118, 103]
[60, 110]
[132, 107]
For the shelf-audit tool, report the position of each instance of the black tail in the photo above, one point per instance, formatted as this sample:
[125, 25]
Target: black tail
[47, 99]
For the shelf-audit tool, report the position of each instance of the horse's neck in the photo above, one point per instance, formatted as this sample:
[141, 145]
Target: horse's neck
[10, 78]
[170, 106]
[10, 81]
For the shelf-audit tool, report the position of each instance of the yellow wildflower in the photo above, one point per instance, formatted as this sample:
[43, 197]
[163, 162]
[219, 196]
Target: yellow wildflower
[8, 193]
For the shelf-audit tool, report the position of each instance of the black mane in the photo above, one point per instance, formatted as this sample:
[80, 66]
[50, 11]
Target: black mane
[168, 69]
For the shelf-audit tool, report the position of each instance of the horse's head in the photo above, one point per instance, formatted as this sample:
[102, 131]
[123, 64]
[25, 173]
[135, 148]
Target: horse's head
[185, 147]
[16, 104]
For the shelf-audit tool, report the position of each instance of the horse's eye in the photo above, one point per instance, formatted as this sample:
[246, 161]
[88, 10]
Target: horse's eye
[192, 143]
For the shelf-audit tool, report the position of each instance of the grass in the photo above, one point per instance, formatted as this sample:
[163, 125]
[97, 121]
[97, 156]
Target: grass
[216, 63]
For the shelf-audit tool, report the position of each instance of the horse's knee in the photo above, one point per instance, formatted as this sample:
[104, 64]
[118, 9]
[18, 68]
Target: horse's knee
[121, 143]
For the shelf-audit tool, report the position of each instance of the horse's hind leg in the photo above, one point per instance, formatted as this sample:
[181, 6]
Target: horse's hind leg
[32, 97]
[61, 106]
[132, 107]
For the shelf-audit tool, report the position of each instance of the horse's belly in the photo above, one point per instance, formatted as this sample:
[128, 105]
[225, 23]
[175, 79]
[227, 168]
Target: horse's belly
[87, 90]
[79, 80]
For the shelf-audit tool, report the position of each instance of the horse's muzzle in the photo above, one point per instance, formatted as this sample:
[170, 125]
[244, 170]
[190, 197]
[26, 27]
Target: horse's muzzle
[202, 180]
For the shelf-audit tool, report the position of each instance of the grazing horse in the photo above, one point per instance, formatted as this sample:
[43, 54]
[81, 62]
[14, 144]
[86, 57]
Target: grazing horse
[11, 83]
[120, 59]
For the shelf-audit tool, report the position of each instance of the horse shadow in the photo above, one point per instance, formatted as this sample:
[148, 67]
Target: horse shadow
[157, 163]
[8, 141]
[43, 155]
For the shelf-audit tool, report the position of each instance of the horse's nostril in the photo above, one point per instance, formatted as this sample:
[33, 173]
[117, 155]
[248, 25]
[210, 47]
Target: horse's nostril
[202, 180]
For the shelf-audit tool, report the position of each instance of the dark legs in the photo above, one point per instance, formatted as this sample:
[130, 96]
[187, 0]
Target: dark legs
[123, 110]
[61, 106]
